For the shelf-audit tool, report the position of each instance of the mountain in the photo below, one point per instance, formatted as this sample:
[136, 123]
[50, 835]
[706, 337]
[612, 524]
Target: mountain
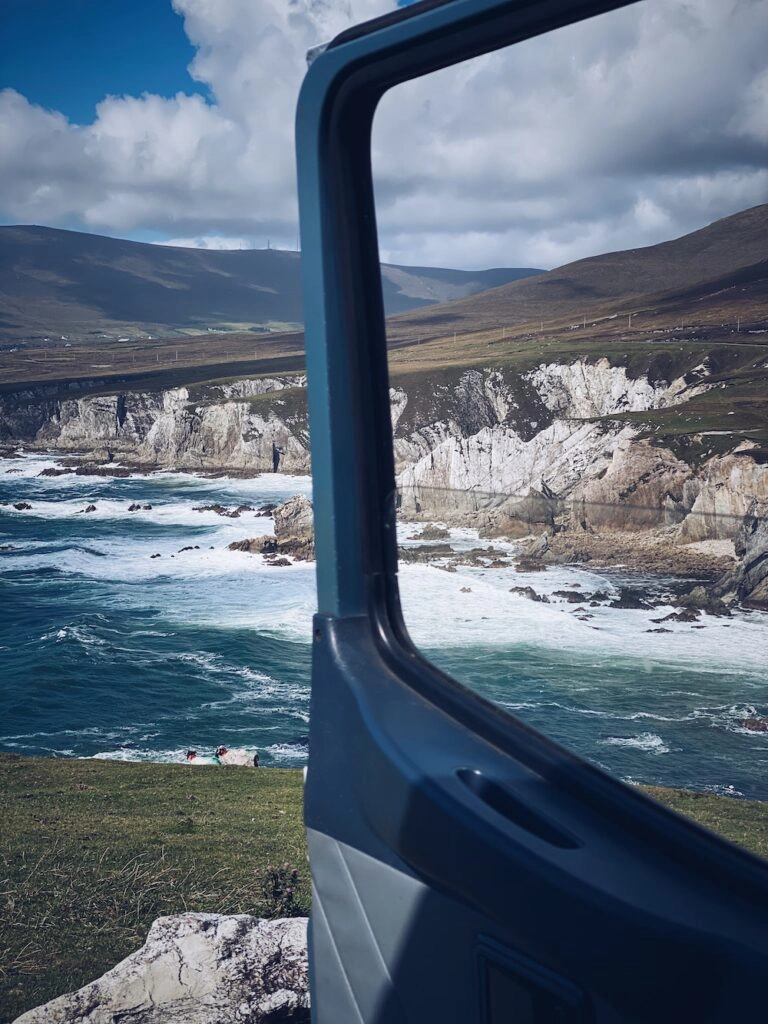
[55, 283]
[684, 273]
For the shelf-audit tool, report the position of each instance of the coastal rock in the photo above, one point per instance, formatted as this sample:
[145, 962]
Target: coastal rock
[431, 532]
[643, 486]
[699, 599]
[295, 528]
[748, 582]
[222, 510]
[97, 470]
[727, 489]
[254, 545]
[294, 533]
[294, 518]
[629, 599]
[530, 593]
[582, 390]
[198, 969]
[686, 615]
[754, 724]
[22, 506]
[526, 564]
[425, 552]
[538, 431]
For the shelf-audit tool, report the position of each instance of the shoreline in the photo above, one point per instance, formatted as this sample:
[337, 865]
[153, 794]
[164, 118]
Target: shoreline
[651, 549]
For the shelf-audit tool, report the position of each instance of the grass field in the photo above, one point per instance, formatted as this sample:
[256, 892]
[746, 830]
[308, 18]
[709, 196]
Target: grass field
[91, 852]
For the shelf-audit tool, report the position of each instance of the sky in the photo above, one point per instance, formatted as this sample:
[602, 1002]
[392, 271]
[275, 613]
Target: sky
[172, 121]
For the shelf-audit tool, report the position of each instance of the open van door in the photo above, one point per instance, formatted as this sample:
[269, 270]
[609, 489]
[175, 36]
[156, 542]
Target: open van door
[465, 868]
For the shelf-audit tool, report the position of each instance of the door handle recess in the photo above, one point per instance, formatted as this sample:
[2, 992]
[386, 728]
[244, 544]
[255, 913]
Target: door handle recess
[500, 799]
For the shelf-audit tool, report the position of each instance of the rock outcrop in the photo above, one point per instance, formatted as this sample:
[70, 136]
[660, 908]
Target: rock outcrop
[249, 426]
[198, 969]
[294, 534]
[748, 583]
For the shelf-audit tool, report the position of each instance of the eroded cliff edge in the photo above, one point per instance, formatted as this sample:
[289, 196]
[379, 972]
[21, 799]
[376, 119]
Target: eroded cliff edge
[577, 456]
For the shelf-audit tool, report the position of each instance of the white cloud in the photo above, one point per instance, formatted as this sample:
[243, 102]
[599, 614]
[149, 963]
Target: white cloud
[616, 132]
[209, 242]
[613, 133]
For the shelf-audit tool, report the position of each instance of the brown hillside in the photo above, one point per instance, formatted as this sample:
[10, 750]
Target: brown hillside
[589, 287]
[70, 286]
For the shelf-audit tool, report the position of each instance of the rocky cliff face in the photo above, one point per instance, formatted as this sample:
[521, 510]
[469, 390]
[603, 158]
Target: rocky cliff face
[556, 434]
[551, 451]
[503, 450]
[548, 431]
[247, 426]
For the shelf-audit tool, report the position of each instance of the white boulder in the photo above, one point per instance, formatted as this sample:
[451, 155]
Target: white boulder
[198, 969]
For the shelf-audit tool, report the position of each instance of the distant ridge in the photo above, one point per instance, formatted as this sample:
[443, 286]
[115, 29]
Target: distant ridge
[729, 252]
[57, 283]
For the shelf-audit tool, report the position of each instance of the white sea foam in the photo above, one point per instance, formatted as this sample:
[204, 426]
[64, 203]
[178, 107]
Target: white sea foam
[32, 464]
[648, 742]
[287, 752]
[726, 790]
[27, 466]
[176, 756]
[256, 687]
[440, 612]
[78, 634]
[162, 513]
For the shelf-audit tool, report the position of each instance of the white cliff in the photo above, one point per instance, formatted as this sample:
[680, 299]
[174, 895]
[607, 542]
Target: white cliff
[571, 446]
[582, 390]
[246, 426]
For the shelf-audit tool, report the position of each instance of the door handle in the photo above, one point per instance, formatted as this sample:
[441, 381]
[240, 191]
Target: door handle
[504, 802]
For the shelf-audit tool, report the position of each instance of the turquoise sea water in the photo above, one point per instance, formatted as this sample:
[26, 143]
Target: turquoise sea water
[108, 652]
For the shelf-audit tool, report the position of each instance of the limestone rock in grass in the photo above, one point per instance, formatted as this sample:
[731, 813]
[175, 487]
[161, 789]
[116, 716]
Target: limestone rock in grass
[198, 969]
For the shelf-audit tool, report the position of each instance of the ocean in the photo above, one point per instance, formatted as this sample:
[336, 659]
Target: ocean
[109, 652]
